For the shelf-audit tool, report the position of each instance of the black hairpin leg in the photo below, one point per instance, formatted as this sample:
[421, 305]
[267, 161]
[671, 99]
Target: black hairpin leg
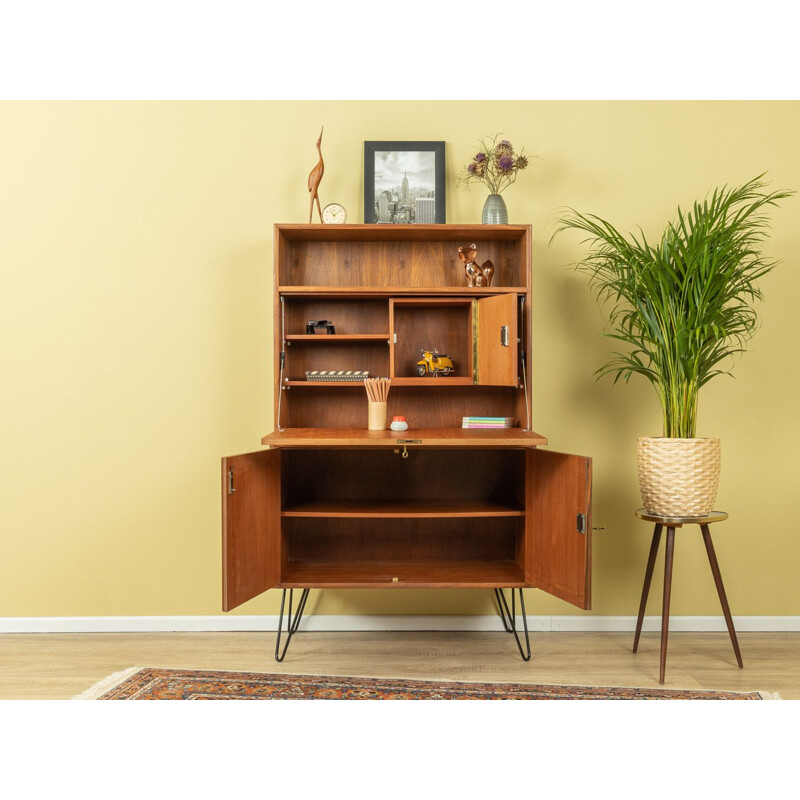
[291, 624]
[510, 619]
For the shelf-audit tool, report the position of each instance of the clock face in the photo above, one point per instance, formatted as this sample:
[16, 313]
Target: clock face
[333, 214]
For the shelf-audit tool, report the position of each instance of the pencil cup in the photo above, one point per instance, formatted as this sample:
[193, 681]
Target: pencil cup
[376, 416]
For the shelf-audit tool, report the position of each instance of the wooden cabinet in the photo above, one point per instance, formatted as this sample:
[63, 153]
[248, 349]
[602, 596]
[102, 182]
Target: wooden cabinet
[331, 504]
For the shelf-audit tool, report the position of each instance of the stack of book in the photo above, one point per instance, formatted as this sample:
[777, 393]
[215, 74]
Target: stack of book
[486, 422]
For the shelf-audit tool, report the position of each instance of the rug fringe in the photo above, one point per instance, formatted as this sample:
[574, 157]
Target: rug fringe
[107, 683]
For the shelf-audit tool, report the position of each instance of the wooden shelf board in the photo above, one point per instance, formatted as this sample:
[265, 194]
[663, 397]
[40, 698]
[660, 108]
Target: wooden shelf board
[391, 291]
[428, 302]
[337, 337]
[440, 382]
[359, 384]
[371, 232]
[374, 574]
[402, 509]
[438, 437]
[397, 383]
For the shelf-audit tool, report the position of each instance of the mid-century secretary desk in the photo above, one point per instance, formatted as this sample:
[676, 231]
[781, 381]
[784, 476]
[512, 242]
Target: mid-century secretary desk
[330, 504]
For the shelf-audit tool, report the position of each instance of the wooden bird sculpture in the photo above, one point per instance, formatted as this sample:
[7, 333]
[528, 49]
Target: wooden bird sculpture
[314, 178]
[476, 275]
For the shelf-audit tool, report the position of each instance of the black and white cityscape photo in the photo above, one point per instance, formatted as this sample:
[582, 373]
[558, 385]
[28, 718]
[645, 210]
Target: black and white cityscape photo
[404, 186]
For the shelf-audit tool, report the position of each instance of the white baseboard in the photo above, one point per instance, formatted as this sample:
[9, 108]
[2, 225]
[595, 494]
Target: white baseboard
[334, 622]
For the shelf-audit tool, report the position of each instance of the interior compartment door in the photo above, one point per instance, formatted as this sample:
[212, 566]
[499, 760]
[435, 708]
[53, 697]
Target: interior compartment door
[559, 535]
[496, 340]
[251, 525]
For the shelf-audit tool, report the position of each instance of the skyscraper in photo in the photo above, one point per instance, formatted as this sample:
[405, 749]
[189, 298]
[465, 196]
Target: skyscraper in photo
[425, 210]
[384, 210]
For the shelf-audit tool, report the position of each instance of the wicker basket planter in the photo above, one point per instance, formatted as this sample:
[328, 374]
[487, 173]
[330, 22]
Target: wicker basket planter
[678, 477]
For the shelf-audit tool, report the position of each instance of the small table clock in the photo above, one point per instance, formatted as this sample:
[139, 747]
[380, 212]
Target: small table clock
[334, 214]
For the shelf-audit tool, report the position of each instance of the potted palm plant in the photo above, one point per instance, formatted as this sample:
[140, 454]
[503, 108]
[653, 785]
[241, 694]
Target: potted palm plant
[684, 306]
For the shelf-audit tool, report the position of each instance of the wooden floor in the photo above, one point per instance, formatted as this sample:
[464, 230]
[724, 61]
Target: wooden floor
[62, 665]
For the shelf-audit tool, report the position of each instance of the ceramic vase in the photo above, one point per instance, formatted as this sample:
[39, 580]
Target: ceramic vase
[494, 211]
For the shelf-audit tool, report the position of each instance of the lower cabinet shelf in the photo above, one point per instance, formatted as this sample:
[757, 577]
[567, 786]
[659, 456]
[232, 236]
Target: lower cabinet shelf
[434, 550]
[422, 509]
[401, 574]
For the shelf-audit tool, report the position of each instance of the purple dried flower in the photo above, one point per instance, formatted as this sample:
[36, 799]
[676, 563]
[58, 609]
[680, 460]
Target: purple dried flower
[505, 163]
[495, 164]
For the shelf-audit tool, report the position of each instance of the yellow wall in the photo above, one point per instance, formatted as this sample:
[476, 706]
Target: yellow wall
[135, 247]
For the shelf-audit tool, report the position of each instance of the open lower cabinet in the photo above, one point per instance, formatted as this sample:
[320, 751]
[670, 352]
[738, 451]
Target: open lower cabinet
[331, 504]
[491, 518]
[349, 518]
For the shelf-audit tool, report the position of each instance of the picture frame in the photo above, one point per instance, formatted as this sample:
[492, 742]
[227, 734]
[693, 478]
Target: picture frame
[392, 196]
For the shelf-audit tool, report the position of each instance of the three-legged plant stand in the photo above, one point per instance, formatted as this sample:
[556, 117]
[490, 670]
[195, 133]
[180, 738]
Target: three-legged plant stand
[671, 523]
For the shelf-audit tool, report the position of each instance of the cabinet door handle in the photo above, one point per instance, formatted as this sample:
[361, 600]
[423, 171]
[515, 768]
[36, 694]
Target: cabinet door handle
[504, 335]
[231, 490]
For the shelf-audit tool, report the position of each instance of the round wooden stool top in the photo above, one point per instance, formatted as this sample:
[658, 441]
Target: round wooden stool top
[676, 522]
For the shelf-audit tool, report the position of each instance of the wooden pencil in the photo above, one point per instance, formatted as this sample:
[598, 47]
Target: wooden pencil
[377, 389]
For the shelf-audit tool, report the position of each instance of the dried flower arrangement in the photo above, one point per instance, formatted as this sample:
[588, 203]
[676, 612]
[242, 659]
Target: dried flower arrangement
[496, 165]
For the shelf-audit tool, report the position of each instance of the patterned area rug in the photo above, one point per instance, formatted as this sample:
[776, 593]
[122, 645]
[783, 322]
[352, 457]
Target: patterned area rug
[187, 684]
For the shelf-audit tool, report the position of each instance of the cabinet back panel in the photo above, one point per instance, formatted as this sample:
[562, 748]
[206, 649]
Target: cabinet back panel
[316, 540]
[371, 356]
[348, 316]
[423, 407]
[406, 264]
[447, 328]
[425, 475]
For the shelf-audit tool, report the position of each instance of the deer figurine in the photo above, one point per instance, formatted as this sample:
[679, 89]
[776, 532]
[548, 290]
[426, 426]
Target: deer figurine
[476, 275]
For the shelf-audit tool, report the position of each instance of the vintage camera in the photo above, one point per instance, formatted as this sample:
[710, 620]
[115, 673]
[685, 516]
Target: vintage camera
[322, 326]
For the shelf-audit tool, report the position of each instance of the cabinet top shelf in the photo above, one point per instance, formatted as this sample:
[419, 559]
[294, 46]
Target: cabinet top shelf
[387, 291]
[400, 233]
[423, 437]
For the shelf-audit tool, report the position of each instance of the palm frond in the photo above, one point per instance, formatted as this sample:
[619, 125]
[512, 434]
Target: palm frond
[685, 304]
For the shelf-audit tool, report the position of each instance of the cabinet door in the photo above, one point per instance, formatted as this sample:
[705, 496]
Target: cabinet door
[559, 525]
[496, 340]
[251, 525]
